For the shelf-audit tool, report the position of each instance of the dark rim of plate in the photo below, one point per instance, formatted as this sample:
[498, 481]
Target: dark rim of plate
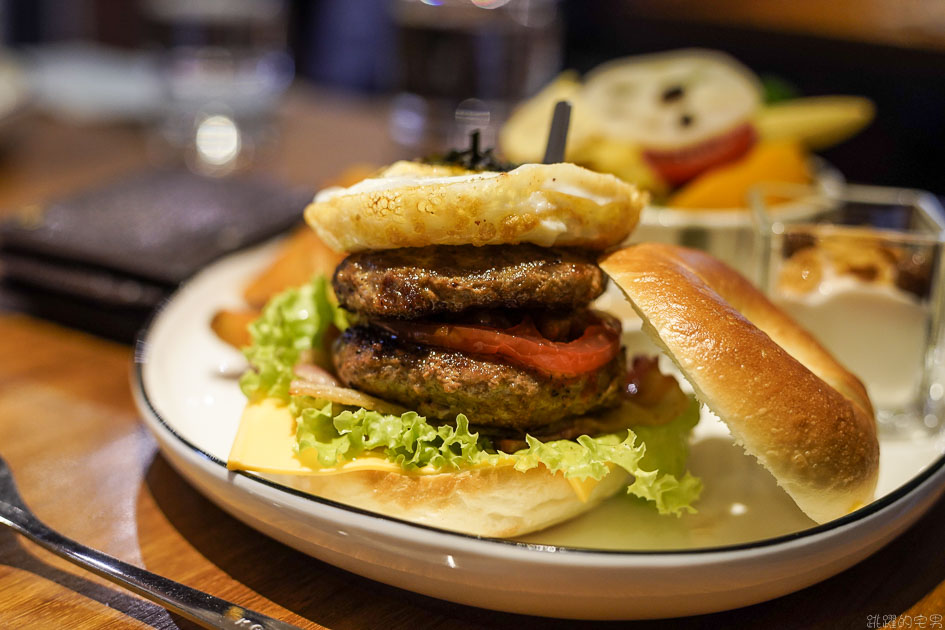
[864, 512]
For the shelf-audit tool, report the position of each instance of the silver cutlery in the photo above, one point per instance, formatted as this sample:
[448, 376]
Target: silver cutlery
[199, 607]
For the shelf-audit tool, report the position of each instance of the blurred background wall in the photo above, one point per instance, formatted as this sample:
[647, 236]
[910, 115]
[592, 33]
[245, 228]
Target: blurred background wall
[892, 51]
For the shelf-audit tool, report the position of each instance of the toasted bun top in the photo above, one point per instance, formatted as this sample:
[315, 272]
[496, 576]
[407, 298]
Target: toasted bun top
[413, 205]
[785, 399]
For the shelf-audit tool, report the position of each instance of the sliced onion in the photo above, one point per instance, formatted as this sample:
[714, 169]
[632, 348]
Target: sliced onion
[311, 373]
[344, 396]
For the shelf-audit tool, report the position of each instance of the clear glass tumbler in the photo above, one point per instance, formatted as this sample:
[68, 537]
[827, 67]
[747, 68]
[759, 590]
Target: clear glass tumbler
[224, 66]
[462, 64]
[862, 269]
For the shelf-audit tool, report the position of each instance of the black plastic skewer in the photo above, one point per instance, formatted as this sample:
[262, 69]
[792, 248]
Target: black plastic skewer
[558, 134]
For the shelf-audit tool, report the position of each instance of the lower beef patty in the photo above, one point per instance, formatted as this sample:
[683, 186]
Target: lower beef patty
[440, 383]
[419, 281]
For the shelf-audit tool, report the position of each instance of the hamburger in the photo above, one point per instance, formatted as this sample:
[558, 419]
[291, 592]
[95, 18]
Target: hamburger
[454, 373]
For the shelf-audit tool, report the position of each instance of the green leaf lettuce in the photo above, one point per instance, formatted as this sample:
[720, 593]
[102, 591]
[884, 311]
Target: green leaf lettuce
[293, 322]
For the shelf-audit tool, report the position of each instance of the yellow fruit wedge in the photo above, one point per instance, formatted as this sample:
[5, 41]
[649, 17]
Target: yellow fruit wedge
[524, 136]
[623, 159]
[727, 187]
[817, 122]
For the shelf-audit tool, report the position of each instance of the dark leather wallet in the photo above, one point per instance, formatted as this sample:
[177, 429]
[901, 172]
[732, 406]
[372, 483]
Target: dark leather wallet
[129, 243]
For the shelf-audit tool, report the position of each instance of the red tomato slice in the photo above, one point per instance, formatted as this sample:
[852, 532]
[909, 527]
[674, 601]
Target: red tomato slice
[678, 167]
[522, 344]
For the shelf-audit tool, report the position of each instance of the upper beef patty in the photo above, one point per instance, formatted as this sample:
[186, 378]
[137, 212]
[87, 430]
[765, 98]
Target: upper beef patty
[440, 383]
[416, 282]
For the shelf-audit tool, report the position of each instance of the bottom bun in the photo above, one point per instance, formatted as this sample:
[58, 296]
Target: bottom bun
[493, 502]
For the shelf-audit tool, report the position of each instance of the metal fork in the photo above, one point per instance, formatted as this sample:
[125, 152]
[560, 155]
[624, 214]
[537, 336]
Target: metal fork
[199, 607]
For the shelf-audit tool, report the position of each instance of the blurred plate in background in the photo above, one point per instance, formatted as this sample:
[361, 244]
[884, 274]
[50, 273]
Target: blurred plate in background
[14, 90]
[727, 234]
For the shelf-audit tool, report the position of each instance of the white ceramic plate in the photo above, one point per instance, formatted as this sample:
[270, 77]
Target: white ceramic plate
[748, 543]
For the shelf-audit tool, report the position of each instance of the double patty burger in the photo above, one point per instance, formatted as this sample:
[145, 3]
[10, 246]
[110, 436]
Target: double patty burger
[478, 391]
[479, 316]
[500, 333]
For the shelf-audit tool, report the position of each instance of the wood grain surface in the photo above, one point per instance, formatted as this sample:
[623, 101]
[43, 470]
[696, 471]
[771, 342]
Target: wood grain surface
[88, 468]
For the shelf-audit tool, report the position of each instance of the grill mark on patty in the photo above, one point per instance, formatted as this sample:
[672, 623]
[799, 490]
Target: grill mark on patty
[440, 383]
[417, 282]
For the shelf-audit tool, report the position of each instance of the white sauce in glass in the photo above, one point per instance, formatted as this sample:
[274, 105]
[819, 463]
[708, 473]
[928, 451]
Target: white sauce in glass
[878, 332]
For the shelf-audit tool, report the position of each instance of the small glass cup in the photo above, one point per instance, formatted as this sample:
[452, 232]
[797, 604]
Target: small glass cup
[224, 66]
[462, 64]
[862, 268]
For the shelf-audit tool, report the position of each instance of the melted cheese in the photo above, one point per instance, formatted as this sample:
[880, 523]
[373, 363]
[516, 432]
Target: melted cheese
[265, 443]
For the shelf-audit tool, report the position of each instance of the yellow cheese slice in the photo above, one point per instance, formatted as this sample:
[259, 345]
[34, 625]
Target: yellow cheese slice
[265, 443]
[265, 440]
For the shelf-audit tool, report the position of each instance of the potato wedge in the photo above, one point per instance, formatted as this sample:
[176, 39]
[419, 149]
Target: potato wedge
[302, 256]
[232, 326]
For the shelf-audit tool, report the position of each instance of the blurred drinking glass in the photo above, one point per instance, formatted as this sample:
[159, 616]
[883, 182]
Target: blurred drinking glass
[862, 269]
[463, 63]
[224, 67]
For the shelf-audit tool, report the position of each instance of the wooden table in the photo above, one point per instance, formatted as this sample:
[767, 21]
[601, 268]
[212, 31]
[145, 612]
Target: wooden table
[87, 466]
